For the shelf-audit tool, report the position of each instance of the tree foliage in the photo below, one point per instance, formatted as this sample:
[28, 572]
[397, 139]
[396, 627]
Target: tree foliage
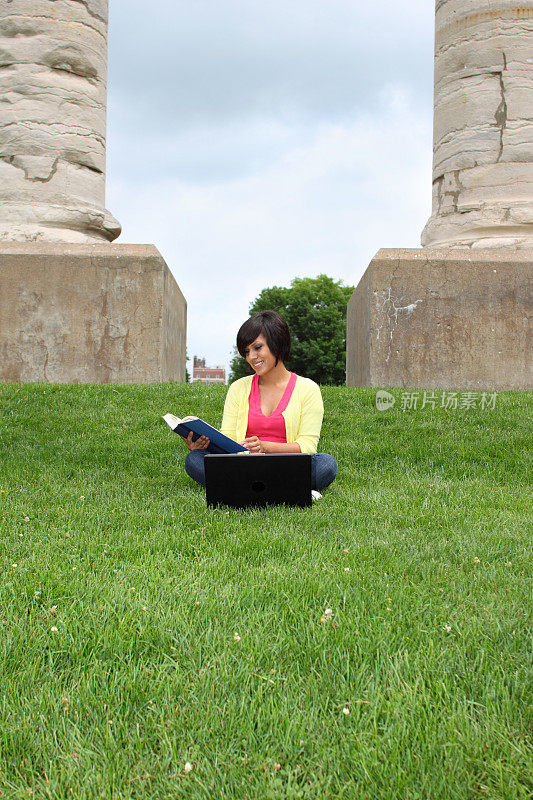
[315, 310]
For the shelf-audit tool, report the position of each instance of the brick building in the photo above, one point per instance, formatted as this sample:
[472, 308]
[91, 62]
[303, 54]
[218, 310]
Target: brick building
[204, 374]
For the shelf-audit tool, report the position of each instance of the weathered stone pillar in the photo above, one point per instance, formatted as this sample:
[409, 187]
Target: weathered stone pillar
[53, 73]
[73, 307]
[483, 131]
[456, 314]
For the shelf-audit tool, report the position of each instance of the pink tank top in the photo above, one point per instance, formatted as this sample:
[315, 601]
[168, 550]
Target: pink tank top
[271, 428]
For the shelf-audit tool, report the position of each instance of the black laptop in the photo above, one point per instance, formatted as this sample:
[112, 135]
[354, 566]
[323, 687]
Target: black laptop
[261, 479]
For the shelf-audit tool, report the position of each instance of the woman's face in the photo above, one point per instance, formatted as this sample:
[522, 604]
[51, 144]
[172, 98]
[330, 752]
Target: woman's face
[259, 357]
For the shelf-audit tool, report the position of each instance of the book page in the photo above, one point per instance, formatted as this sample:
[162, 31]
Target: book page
[171, 420]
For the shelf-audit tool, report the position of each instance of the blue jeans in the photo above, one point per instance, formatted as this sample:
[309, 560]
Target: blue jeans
[323, 468]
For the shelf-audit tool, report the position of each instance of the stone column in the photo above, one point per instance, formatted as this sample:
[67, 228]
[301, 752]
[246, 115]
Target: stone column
[457, 314]
[73, 307]
[483, 125]
[53, 72]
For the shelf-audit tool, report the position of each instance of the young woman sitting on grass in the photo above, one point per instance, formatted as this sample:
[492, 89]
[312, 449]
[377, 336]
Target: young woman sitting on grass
[274, 410]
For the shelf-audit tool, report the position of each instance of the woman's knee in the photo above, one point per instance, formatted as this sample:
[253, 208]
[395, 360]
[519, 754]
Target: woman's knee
[190, 460]
[325, 470]
[330, 466]
[194, 466]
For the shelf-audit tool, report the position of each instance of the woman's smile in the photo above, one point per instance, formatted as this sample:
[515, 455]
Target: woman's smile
[259, 356]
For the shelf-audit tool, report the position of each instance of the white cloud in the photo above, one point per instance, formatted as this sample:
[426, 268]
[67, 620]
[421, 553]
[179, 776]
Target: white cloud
[253, 142]
[323, 206]
[192, 62]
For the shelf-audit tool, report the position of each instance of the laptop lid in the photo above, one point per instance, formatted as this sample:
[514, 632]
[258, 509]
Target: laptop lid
[260, 479]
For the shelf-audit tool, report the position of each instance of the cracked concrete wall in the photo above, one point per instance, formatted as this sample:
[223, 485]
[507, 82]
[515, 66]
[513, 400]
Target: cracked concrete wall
[53, 95]
[483, 125]
[81, 313]
[441, 318]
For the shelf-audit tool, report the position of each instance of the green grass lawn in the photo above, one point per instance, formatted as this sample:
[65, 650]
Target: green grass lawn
[142, 632]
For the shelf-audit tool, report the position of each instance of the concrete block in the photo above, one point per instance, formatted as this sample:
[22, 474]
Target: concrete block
[443, 319]
[83, 313]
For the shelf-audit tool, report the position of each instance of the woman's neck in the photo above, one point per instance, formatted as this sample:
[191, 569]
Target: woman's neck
[277, 376]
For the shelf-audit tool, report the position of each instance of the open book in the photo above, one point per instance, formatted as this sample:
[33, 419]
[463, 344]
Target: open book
[218, 443]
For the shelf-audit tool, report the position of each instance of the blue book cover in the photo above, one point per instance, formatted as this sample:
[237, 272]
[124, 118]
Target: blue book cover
[218, 443]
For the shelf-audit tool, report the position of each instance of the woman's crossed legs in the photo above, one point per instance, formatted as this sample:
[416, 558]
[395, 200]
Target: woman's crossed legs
[323, 469]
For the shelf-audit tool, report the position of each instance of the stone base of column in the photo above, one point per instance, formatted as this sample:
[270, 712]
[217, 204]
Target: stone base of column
[443, 319]
[78, 313]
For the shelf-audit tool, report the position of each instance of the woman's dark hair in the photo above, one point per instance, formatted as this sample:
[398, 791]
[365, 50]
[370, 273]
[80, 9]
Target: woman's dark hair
[273, 327]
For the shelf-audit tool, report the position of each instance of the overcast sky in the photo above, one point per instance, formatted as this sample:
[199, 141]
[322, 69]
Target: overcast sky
[253, 141]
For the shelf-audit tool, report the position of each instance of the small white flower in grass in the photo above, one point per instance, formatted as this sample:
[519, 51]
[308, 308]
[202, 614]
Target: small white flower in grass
[346, 711]
[15, 566]
[447, 628]
[54, 629]
[82, 497]
[477, 560]
[144, 608]
[188, 767]
[507, 563]
[236, 637]
[26, 519]
[346, 569]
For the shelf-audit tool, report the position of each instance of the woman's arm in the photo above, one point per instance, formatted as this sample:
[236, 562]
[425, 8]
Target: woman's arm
[230, 414]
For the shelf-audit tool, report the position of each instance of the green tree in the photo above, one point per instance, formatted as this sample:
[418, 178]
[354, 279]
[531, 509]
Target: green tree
[315, 310]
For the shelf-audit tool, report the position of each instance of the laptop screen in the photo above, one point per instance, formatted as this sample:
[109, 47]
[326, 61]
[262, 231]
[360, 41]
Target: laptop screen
[262, 479]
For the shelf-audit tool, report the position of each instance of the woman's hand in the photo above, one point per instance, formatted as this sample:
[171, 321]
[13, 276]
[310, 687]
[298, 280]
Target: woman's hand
[200, 444]
[255, 445]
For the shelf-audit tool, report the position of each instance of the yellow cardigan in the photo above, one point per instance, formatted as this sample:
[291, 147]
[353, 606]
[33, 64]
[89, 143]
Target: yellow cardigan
[303, 415]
